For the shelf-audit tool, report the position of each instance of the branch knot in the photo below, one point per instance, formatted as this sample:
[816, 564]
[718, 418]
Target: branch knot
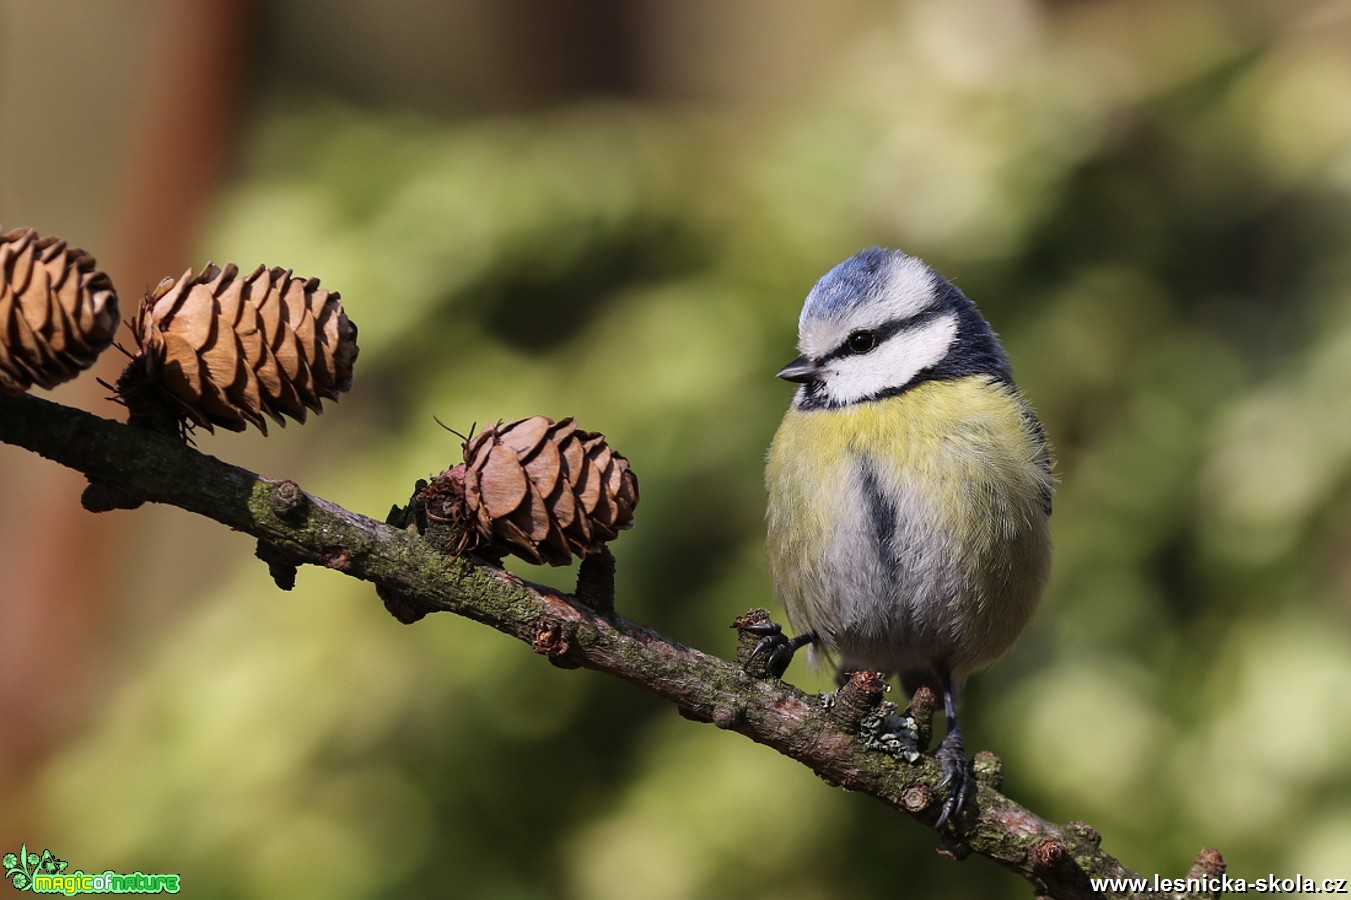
[553, 641]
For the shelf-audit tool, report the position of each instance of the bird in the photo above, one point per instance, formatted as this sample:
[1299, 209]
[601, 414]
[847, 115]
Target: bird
[909, 491]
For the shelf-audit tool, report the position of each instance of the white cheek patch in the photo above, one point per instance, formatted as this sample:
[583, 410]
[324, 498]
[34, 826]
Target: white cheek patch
[892, 365]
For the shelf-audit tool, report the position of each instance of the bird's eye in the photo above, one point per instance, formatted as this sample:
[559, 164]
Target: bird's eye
[861, 341]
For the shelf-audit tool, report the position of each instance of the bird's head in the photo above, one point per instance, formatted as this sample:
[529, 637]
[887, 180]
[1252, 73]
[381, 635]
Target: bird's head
[881, 322]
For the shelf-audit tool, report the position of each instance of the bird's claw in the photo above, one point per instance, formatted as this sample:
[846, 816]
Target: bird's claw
[957, 778]
[775, 646]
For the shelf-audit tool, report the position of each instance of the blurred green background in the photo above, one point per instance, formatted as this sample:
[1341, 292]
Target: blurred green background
[612, 210]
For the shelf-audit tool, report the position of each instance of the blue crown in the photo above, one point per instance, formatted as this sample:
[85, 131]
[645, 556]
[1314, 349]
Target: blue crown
[852, 283]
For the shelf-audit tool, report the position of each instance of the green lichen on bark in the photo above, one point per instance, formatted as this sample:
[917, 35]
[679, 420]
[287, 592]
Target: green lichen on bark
[305, 529]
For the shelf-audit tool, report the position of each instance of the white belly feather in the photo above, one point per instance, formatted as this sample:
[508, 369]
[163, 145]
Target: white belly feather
[910, 533]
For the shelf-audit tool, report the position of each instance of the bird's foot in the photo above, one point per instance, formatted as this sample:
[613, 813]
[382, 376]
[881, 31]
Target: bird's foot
[775, 647]
[957, 778]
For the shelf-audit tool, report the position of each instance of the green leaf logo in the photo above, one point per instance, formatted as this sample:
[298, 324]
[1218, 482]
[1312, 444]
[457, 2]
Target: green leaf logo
[22, 866]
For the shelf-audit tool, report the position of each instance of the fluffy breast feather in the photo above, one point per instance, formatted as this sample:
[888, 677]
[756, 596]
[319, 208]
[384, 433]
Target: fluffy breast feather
[911, 532]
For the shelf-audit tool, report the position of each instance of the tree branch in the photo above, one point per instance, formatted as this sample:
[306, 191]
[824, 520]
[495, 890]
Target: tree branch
[127, 465]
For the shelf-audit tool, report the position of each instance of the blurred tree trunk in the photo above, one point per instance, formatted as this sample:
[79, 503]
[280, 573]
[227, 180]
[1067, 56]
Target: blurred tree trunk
[115, 146]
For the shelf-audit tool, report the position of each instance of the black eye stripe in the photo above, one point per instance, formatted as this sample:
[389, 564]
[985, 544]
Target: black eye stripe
[884, 332]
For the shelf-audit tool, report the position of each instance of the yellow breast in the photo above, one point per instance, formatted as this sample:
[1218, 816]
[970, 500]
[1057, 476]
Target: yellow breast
[912, 527]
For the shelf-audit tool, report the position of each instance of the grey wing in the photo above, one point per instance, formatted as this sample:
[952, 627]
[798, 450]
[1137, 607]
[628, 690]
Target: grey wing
[1044, 459]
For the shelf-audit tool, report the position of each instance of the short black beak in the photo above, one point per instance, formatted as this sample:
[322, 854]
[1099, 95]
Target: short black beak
[800, 370]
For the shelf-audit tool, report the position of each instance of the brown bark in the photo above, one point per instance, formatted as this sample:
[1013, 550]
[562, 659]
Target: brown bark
[295, 528]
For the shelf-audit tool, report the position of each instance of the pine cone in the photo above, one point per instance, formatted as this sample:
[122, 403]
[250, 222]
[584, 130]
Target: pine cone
[540, 489]
[57, 313]
[227, 351]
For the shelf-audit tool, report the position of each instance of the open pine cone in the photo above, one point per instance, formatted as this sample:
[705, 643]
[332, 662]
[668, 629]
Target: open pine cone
[227, 351]
[57, 313]
[540, 489]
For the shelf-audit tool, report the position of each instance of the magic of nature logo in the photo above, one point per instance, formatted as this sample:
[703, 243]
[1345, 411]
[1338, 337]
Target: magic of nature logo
[45, 873]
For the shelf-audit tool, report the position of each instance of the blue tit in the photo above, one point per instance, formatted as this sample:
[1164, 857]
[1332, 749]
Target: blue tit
[909, 489]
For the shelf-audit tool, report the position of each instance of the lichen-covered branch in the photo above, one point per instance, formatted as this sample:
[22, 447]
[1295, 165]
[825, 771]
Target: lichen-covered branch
[128, 465]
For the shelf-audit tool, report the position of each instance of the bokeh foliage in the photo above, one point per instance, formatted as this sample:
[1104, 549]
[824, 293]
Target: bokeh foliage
[1150, 203]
